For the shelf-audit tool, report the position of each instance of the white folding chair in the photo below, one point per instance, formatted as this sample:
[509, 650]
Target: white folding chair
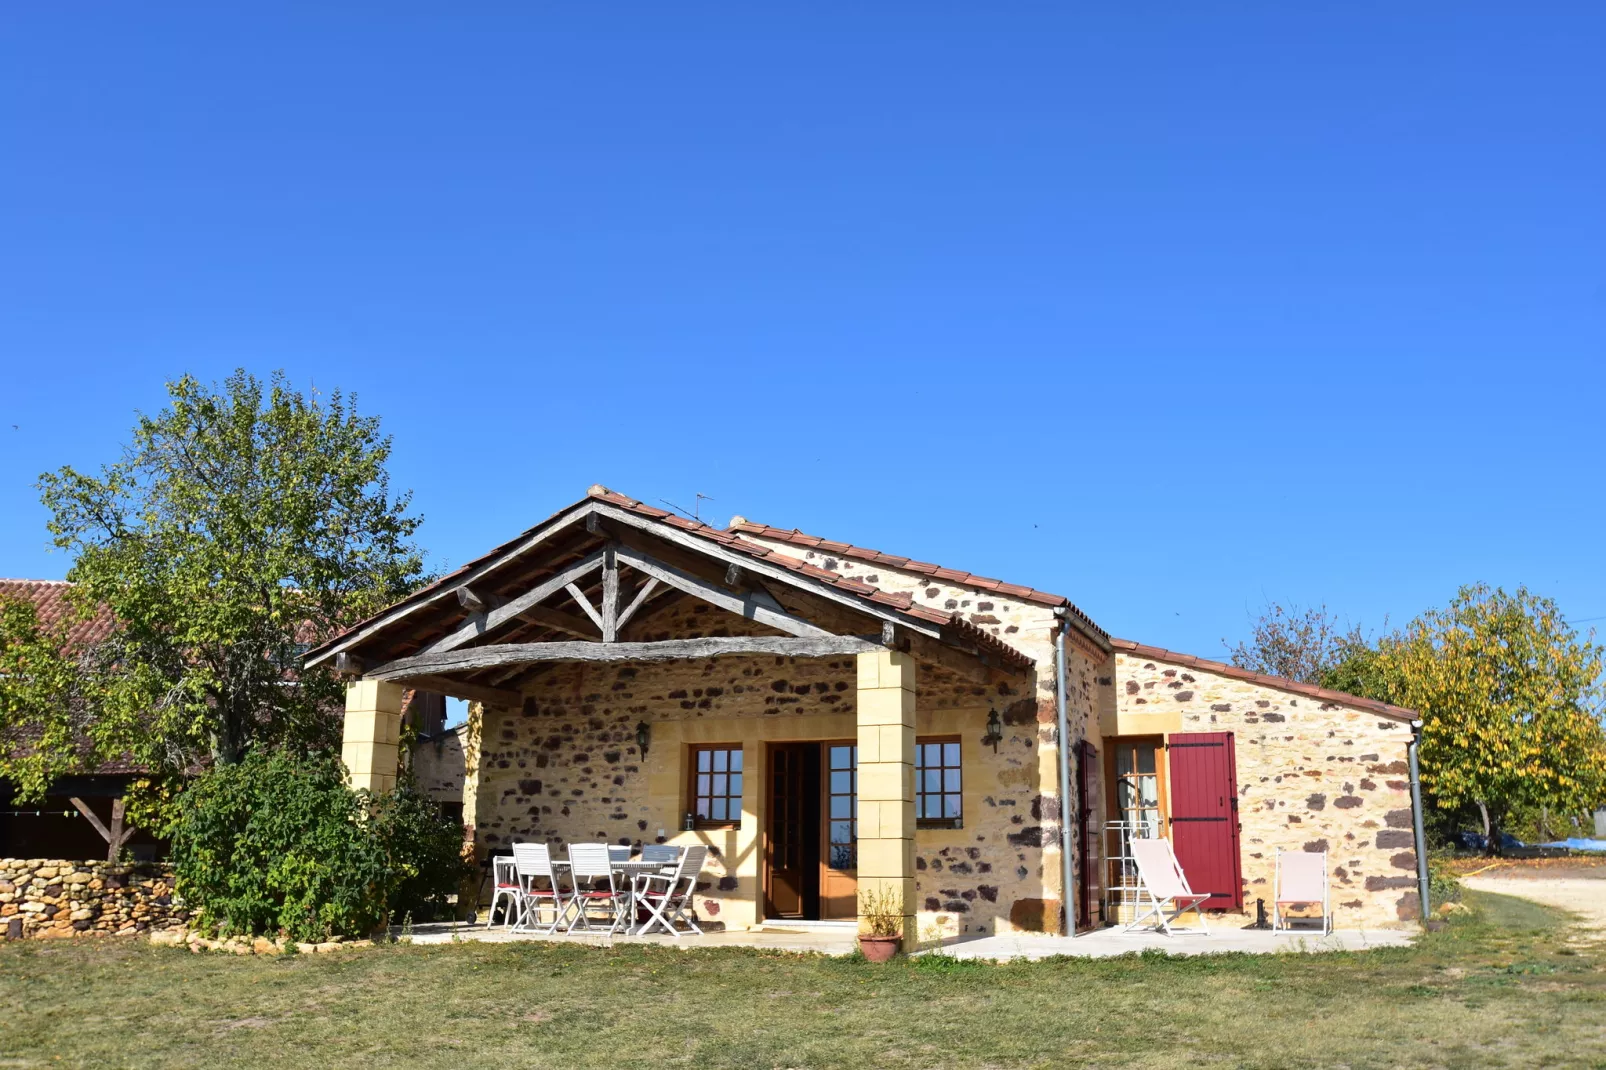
[589, 865]
[1164, 885]
[660, 852]
[668, 905]
[1301, 879]
[533, 863]
[618, 852]
[505, 886]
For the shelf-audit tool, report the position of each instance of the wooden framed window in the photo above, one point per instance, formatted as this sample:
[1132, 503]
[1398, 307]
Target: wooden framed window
[715, 788]
[1137, 786]
[939, 797]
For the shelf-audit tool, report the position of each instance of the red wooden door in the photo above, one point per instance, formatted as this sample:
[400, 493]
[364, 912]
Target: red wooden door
[1204, 815]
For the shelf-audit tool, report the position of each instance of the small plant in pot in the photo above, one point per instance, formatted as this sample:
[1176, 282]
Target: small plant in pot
[880, 923]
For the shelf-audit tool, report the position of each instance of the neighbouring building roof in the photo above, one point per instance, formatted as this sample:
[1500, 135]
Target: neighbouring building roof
[1279, 683]
[49, 598]
[52, 607]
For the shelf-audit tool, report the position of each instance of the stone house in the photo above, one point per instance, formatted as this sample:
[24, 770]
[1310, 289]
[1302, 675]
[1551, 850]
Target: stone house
[830, 719]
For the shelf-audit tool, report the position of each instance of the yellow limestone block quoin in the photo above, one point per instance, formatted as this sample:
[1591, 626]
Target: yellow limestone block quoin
[372, 729]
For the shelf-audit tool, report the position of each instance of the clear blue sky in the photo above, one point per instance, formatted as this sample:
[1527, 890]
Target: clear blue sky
[1170, 312]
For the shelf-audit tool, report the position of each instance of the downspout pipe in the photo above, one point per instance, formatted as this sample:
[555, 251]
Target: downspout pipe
[1416, 819]
[1067, 822]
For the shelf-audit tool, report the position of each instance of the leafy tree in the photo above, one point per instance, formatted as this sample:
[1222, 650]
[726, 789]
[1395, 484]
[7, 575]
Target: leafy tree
[1297, 644]
[1510, 699]
[241, 524]
[41, 670]
[279, 843]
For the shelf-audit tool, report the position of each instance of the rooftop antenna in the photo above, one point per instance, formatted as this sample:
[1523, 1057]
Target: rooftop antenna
[696, 510]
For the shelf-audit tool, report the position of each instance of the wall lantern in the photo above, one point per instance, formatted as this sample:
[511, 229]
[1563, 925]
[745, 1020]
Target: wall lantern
[995, 730]
[643, 737]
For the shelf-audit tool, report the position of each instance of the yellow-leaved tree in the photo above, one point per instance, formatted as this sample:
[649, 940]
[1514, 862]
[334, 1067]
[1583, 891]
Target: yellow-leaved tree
[1510, 697]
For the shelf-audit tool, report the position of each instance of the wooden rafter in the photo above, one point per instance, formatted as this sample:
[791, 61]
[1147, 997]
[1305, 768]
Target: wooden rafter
[584, 603]
[444, 685]
[747, 606]
[636, 603]
[480, 625]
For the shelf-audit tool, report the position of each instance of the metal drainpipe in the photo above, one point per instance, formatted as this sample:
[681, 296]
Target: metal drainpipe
[1067, 894]
[1416, 820]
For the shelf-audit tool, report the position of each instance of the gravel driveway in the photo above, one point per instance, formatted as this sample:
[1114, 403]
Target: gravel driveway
[1583, 895]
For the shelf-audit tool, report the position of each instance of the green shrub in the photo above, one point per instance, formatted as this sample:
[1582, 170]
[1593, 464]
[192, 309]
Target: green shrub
[1443, 887]
[279, 843]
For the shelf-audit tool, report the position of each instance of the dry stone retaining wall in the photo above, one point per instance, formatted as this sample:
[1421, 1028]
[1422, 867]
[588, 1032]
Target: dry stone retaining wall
[52, 897]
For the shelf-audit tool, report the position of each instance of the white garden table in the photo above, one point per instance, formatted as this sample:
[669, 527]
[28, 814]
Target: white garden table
[629, 869]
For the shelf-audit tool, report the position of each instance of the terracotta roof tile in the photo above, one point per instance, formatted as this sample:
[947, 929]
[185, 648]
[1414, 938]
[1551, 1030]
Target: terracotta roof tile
[1278, 683]
[51, 605]
[968, 579]
[903, 602]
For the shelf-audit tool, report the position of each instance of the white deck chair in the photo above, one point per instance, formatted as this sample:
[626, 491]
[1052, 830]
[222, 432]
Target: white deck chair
[1302, 879]
[533, 864]
[589, 864]
[667, 893]
[1163, 892]
[505, 889]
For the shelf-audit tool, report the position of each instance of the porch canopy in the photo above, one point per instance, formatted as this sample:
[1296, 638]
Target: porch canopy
[586, 585]
[568, 589]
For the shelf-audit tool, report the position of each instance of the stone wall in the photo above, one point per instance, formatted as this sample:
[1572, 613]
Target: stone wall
[566, 767]
[439, 765]
[1312, 775]
[49, 897]
[1029, 717]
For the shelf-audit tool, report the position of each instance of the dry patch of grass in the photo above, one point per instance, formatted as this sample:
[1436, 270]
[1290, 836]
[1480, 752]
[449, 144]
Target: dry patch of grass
[1499, 989]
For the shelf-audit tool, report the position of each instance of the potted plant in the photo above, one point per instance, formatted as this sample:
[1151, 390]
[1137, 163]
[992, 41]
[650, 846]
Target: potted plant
[880, 923]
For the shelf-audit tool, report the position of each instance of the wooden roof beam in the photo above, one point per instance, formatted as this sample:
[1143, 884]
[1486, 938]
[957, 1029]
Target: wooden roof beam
[476, 659]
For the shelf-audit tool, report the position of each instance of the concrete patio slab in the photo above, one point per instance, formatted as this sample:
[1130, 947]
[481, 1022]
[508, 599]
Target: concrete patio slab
[1030, 946]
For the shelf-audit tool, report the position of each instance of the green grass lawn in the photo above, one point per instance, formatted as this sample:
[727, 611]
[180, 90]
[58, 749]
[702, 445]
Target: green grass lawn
[1509, 987]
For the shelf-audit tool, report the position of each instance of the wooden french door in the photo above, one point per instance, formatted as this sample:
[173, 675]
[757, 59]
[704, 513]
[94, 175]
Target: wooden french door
[1204, 815]
[811, 851]
[786, 882]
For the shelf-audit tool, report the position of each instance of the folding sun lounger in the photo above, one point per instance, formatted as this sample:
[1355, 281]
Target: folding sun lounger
[1163, 892]
[1302, 879]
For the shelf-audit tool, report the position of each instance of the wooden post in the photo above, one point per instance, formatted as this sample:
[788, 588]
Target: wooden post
[886, 716]
[115, 836]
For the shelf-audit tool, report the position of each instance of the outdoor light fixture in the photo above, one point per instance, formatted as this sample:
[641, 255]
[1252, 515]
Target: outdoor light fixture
[995, 730]
[643, 737]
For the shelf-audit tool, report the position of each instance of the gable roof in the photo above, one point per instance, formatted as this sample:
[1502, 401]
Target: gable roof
[1277, 683]
[887, 604]
[795, 537]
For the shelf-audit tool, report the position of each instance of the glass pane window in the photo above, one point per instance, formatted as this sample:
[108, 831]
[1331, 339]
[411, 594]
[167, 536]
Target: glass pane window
[716, 785]
[938, 790]
[1137, 787]
[842, 846]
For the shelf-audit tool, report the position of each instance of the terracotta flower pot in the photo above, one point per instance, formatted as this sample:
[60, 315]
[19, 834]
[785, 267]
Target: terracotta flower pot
[880, 948]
